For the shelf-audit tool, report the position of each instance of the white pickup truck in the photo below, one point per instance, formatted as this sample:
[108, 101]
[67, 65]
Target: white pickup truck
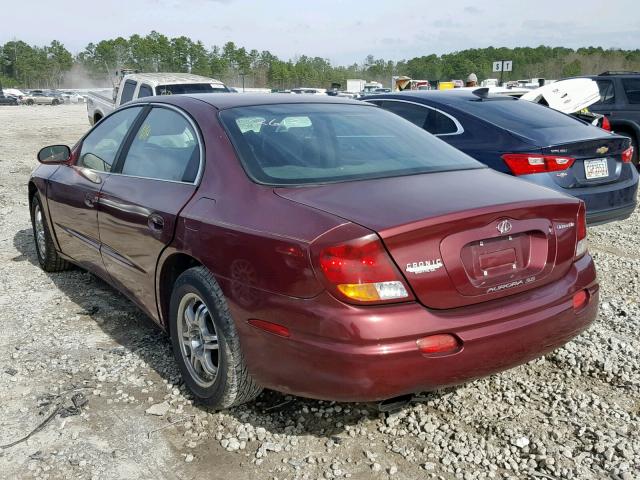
[138, 85]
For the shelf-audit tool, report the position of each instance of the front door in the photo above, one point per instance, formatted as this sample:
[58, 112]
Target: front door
[140, 203]
[73, 190]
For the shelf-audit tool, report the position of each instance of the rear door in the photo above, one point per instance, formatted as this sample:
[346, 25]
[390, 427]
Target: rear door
[73, 189]
[156, 176]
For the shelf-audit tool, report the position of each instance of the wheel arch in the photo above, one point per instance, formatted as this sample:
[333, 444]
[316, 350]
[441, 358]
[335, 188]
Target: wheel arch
[32, 189]
[628, 126]
[169, 269]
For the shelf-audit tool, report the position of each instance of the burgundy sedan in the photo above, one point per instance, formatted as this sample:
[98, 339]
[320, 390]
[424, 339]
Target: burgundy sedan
[317, 246]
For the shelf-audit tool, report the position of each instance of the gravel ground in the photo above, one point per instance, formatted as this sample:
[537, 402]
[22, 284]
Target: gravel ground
[74, 350]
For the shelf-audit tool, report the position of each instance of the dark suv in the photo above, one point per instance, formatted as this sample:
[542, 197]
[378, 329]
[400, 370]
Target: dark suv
[620, 102]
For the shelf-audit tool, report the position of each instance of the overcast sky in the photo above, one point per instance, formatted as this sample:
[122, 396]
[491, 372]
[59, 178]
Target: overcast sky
[343, 31]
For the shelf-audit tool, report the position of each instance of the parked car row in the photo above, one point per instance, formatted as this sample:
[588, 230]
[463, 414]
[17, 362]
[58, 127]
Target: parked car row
[39, 97]
[329, 247]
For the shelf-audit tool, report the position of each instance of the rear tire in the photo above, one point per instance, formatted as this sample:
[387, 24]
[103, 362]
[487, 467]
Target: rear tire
[206, 344]
[55, 102]
[48, 257]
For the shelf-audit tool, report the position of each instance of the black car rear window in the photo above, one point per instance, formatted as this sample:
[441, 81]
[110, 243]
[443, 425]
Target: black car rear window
[298, 144]
[518, 115]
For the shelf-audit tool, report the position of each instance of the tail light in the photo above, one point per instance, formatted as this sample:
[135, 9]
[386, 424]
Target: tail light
[441, 343]
[275, 328]
[361, 271]
[606, 125]
[580, 299]
[581, 231]
[627, 155]
[527, 163]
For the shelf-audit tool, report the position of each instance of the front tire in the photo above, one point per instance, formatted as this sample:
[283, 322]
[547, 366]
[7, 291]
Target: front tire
[48, 257]
[206, 344]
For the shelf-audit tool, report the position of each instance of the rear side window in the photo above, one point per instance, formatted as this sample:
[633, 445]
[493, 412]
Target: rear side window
[414, 113]
[300, 144]
[607, 92]
[427, 118]
[145, 91]
[127, 91]
[100, 147]
[632, 89]
[182, 88]
[440, 124]
[518, 115]
[165, 147]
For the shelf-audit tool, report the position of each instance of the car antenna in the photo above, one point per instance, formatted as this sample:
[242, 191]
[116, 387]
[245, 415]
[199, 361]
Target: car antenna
[481, 93]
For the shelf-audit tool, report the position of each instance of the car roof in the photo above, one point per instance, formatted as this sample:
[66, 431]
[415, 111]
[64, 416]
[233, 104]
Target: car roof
[455, 97]
[223, 101]
[155, 79]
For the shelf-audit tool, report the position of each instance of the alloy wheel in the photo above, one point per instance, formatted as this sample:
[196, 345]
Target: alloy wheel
[41, 242]
[198, 340]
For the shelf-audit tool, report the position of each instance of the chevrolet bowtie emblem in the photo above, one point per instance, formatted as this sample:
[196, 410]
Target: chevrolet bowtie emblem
[602, 150]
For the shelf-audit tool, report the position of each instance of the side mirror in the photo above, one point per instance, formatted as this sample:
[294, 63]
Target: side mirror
[54, 154]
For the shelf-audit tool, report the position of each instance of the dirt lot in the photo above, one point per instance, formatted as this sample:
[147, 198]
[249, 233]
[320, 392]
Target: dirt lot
[573, 414]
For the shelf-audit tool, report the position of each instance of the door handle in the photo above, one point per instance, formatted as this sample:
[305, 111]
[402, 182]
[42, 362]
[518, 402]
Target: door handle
[90, 200]
[155, 222]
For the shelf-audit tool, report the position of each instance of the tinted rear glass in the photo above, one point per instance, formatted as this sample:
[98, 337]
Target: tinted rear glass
[182, 88]
[518, 115]
[319, 143]
[632, 89]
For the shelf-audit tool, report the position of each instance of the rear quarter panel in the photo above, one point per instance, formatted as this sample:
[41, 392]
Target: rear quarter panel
[482, 140]
[251, 240]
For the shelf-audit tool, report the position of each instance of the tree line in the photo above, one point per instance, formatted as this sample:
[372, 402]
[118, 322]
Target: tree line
[35, 66]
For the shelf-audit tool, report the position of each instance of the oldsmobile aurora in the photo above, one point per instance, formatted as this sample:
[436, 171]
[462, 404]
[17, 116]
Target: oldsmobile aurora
[314, 245]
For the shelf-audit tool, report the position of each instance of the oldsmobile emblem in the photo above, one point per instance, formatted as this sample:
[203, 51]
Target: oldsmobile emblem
[504, 226]
[602, 150]
[426, 266]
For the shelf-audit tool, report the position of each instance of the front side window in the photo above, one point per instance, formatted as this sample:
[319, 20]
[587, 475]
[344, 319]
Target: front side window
[100, 147]
[298, 144]
[607, 92]
[632, 89]
[165, 147]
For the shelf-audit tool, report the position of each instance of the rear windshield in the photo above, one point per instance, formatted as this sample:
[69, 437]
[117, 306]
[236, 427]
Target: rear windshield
[182, 88]
[319, 143]
[518, 115]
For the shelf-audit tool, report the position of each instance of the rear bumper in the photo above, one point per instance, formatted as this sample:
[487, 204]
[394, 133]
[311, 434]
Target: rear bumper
[599, 217]
[346, 353]
[605, 203]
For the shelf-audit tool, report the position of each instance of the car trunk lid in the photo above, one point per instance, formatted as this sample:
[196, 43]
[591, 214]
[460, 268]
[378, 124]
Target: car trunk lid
[598, 161]
[459, 238]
